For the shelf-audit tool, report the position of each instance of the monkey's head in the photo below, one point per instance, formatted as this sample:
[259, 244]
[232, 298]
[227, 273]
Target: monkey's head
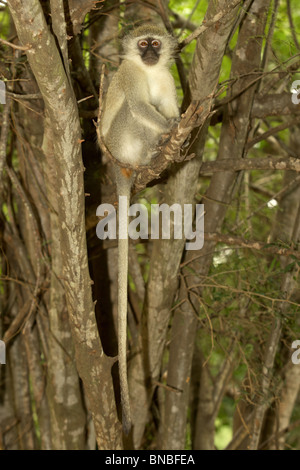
[149, 45]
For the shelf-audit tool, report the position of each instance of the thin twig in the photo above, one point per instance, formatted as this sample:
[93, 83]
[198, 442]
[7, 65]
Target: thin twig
[289, 12]
[249, 293]
[167, 387]
[84, 99]
[249, 164]
[270, 132]
[4, 136]
[188, 19]
[32, 96]
[282, 432]
[207, 24]
[16, 46]
[38, 244]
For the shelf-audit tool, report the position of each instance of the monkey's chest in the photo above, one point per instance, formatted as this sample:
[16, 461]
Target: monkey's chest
[157, 87]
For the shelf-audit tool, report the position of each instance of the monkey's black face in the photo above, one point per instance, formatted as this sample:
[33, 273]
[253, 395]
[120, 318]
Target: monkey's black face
[149, 49]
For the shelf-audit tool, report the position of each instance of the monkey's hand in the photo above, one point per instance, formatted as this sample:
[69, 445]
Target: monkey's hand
[174, 121]
[164, 138]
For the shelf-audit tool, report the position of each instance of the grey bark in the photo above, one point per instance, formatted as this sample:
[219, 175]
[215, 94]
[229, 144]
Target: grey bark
[203, 79]
[233, 139]
[61, 106]
[166, 254]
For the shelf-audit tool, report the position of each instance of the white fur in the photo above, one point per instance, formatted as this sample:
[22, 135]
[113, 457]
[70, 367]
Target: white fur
[130, 148]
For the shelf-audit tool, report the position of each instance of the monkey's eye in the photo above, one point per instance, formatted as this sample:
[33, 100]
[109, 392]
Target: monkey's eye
[143, 43]
[156, 43]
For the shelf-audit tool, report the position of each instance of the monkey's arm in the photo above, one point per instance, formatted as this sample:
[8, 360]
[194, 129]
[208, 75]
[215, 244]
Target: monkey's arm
[112, 105]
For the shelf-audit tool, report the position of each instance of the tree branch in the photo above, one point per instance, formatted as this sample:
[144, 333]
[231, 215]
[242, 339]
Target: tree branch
[271, 248]
[208, 24]
[93, 366]
[268, 163]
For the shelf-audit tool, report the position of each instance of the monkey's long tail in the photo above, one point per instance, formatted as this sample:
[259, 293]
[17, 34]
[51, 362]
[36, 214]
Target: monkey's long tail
[123, 191]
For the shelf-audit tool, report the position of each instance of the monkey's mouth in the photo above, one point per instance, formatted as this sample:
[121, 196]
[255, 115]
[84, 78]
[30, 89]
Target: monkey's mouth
[150, 59]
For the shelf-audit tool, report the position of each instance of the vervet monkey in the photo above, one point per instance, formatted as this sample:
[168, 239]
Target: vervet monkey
[140, 106]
